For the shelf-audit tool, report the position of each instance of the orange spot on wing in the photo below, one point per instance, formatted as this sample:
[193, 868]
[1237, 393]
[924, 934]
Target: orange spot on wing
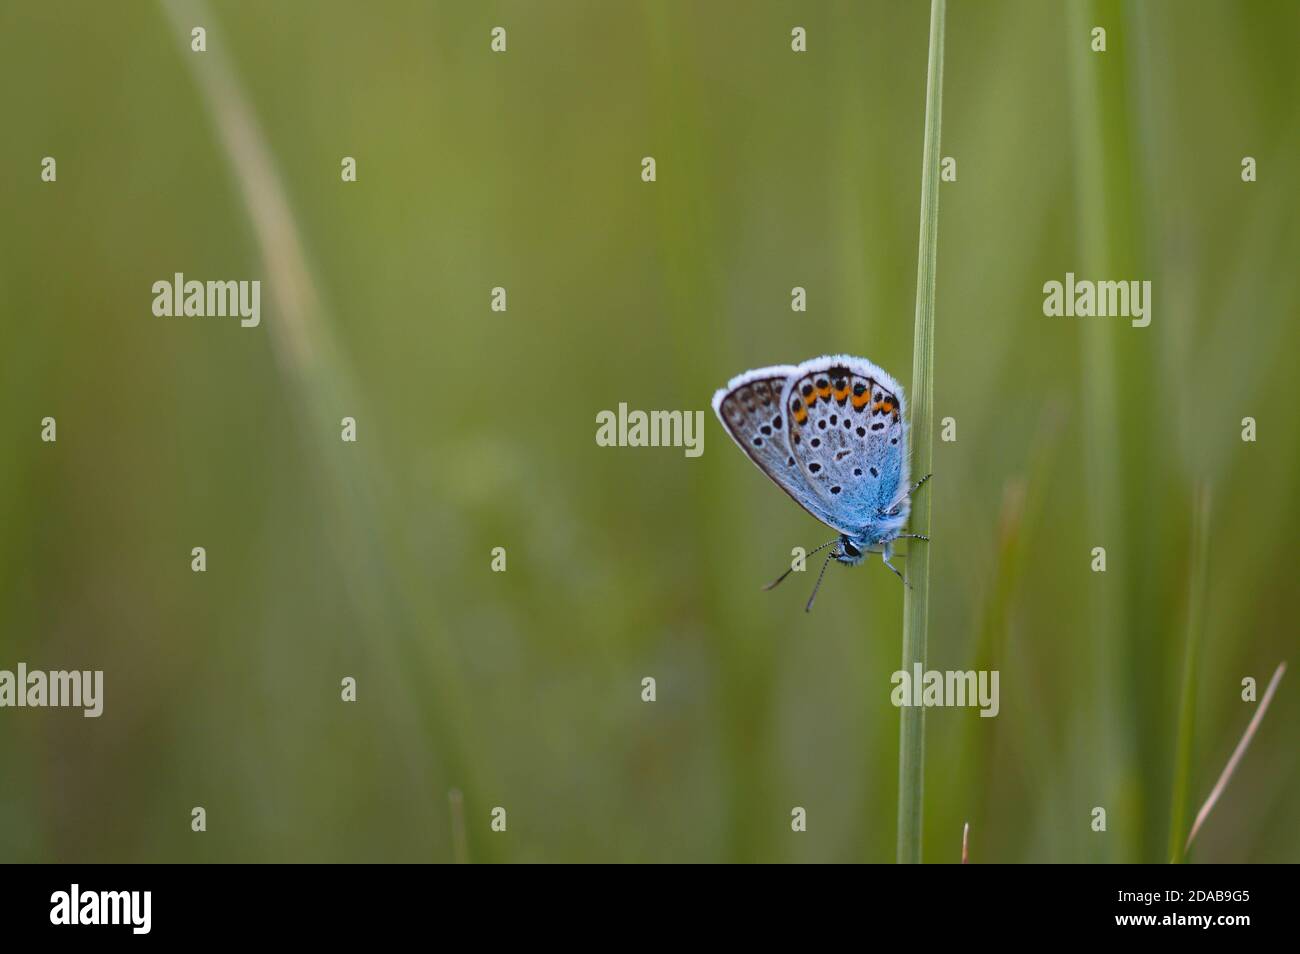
[800, 415]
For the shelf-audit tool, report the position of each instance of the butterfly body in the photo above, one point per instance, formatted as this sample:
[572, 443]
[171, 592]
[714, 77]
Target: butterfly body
[832, 433]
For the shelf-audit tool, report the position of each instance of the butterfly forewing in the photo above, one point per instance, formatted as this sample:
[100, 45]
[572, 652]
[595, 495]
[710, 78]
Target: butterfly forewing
[750, 408]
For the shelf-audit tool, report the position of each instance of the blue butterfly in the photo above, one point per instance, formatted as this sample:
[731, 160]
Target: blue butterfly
[831, 433]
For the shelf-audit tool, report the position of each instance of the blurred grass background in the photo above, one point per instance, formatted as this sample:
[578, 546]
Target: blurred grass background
[477, 429]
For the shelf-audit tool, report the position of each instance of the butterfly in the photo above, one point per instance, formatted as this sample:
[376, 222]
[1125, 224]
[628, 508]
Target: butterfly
[831, 433]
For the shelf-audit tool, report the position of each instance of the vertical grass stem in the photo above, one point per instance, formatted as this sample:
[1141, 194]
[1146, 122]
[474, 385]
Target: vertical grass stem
[911, 736]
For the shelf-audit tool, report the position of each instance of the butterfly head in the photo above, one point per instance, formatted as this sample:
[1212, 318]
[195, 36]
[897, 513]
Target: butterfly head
[850, 551]
[876, 538]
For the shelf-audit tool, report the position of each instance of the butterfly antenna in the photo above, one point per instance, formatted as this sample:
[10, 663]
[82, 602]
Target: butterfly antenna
[772, 585]
[818, 586]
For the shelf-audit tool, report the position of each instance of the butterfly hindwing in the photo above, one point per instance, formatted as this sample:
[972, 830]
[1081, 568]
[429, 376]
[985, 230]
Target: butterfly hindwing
[750, 408]
[846, 428]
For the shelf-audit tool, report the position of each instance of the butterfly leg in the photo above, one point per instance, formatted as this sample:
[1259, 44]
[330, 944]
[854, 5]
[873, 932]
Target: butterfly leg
[917, 486]
[912, 536]
[885, 557]
[894, 511]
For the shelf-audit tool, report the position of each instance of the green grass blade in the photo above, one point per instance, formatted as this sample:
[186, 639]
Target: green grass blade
[1191, 675]
[911, 738]
[1108, 222]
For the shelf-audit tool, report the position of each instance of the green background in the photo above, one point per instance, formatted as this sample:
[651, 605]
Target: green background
[476, 429]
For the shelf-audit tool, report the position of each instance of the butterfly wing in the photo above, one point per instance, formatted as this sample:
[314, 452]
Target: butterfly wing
[750, 410]
[847, 432]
